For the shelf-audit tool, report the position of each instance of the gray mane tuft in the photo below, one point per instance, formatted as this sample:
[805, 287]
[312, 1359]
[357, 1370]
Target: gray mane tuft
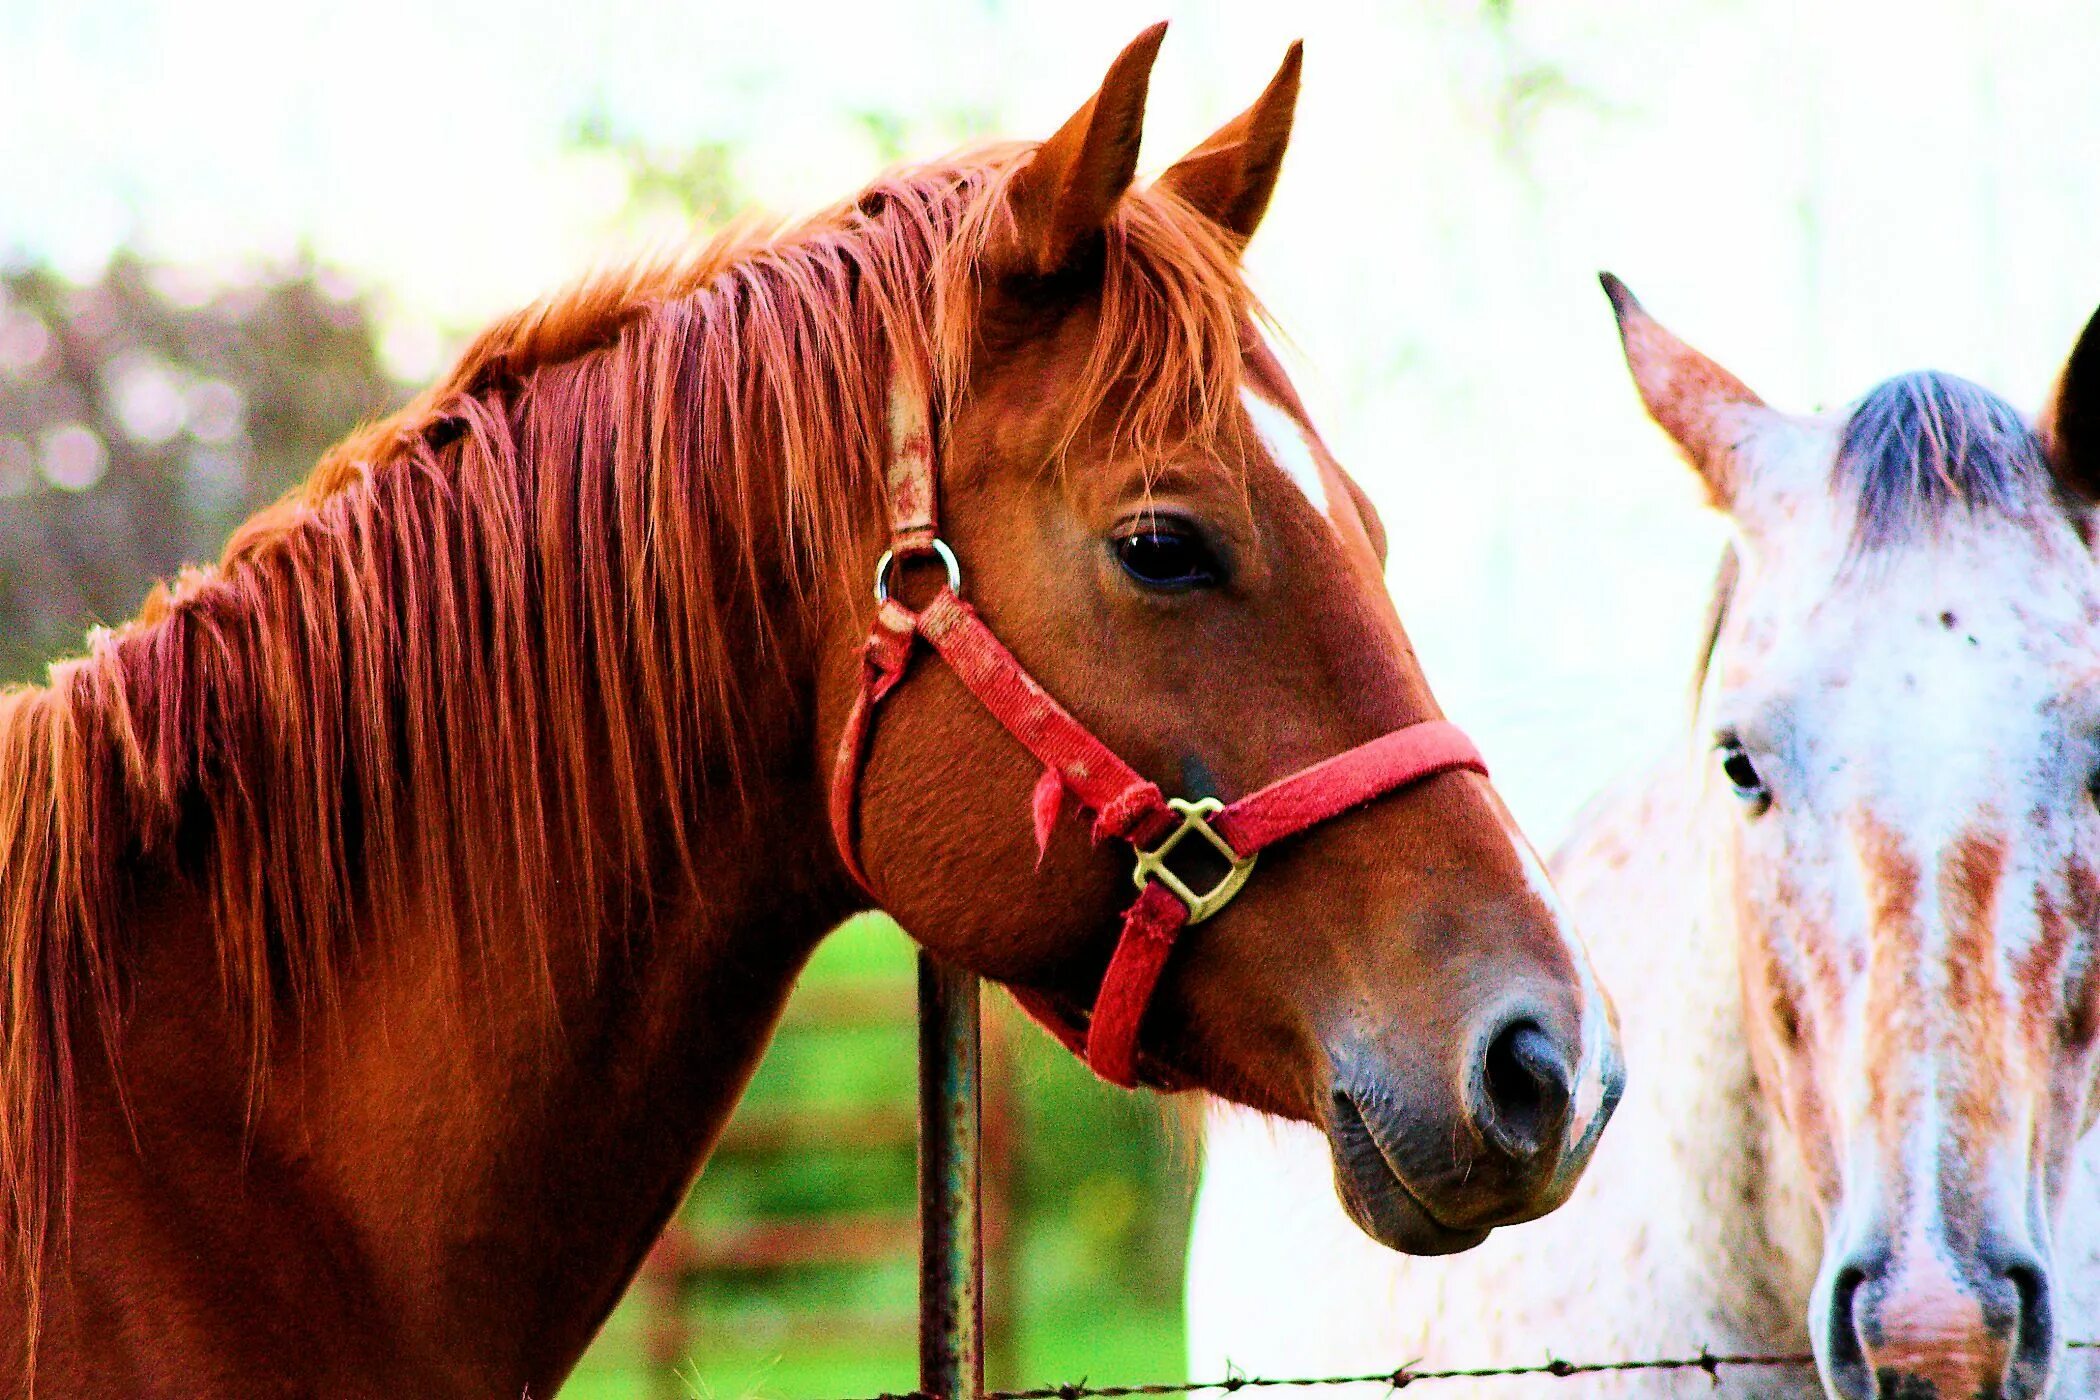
[1923, 444]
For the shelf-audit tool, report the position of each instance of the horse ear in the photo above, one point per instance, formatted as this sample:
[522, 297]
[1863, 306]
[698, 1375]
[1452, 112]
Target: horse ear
[1068, 189]
[1700, 405]
[2070, 425]
[1230, 177]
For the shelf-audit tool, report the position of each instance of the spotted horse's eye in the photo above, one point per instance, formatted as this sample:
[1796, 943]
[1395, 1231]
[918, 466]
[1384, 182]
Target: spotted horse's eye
[1166, 554]
[1742, 774]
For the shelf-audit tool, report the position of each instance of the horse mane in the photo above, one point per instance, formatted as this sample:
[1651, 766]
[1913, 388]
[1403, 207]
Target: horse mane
[1726, 575]
[485, 657]
[1922, 444]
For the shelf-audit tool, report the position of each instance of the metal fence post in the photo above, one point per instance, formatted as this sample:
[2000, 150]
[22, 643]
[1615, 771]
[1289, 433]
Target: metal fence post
[951, 1239]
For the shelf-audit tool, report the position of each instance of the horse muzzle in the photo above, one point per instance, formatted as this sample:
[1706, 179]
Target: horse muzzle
[1899, 1327]
[1431, 1169]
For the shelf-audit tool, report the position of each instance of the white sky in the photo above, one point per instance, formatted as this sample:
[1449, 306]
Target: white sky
[1818, 194]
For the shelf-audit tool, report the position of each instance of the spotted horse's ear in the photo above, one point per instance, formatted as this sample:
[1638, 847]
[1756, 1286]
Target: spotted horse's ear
[1707, 411]
[2070, 425]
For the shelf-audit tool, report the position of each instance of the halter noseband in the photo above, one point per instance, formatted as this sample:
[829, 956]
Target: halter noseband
[1126, 805]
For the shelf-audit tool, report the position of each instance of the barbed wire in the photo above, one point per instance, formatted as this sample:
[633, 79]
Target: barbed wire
[1404, 1376]
[1710, 1362]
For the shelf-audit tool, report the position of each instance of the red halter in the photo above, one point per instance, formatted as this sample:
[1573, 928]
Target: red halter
[1126, 805]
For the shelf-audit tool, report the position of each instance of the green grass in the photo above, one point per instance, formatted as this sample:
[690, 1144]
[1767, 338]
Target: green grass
[1066, 1338]
[1098, 1202]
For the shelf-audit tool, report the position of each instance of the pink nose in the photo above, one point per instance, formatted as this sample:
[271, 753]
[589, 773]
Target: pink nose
[1915, 1328]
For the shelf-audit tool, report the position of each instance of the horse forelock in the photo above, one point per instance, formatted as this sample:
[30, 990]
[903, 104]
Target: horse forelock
[1921, 445]
[410, 684]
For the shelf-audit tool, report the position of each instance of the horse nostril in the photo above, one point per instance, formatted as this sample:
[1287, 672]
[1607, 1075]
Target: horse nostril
[2034, 1331]
[1522, 1100]
[1845, 1348]
[1842, 1345]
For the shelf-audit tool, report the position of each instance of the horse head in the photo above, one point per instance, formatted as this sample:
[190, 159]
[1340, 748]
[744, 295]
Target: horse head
[1133, 500]
[1904, 711]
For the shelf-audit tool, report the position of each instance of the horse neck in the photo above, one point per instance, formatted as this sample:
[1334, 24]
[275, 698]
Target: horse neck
[454, 1167]
[1641, 871]
[447, 1193]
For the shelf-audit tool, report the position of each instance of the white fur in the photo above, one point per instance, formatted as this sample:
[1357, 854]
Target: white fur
[1696, 1225]
[1285, 438]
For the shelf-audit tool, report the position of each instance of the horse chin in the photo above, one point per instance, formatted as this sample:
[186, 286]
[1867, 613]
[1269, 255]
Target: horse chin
[1379, 1201]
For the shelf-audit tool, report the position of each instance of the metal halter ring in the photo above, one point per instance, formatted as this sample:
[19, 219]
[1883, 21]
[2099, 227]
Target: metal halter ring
[889, 557]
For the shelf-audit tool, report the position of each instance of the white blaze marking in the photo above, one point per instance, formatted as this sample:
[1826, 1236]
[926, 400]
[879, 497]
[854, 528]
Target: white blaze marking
[1288, 444]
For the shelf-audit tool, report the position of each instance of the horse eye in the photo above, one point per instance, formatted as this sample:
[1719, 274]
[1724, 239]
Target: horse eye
[1742, 774]
[1166, 554]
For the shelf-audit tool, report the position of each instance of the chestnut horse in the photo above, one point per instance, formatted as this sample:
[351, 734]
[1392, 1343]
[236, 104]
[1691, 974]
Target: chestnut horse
[1850, 926]
[392, 914]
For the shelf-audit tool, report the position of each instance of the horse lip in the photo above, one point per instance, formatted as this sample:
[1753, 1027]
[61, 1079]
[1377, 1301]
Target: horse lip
[1420, 1231]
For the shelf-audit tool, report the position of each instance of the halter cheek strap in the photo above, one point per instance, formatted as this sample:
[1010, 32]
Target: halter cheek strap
[1126, 806]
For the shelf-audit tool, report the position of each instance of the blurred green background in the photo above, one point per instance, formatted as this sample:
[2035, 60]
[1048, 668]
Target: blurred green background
[1087, 1193]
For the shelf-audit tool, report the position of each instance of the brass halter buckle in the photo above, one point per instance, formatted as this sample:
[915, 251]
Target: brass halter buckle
[1152, 864]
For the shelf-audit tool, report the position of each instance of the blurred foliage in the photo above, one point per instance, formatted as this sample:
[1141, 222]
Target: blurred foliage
[1096, 1193]
[1527, 87]
[894, 138]
[695, 180]
[144, 415]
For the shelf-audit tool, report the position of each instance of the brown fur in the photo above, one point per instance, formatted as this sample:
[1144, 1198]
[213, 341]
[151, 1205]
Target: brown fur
[1894, 1026]
[1970, 875]
[2038, 976]
[312, 710]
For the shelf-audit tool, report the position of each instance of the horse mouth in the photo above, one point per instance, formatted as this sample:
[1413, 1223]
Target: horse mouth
[1378, 1198]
